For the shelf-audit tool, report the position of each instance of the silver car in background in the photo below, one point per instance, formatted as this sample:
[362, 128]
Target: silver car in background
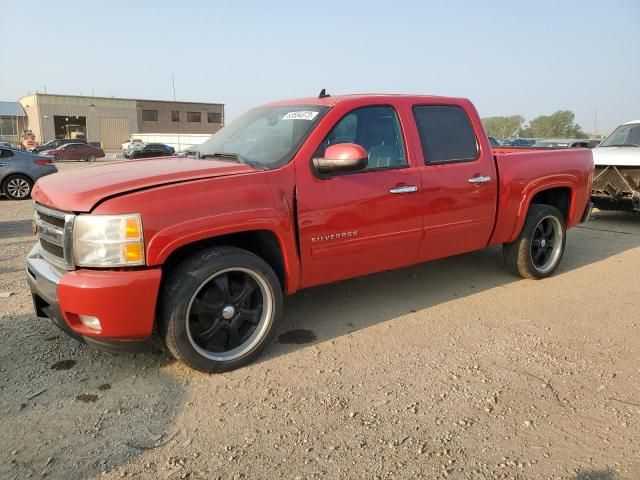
[19, 170]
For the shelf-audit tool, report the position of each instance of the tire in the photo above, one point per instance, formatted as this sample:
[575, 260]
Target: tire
[17, 187]
[91, 158]
[537, 251]
[219, 309]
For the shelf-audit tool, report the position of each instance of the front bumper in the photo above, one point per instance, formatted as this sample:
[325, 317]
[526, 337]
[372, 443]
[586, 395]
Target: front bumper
[123, 301]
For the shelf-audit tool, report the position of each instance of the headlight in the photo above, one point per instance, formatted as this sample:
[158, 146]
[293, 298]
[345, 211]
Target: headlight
[108, 241]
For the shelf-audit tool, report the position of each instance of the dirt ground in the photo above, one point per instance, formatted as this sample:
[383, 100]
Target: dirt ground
[452, 369]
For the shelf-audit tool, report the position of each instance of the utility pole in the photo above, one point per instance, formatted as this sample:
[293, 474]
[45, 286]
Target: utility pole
[173, 88]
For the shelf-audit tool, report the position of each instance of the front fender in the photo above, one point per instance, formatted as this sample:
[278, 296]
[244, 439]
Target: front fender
[167, 241]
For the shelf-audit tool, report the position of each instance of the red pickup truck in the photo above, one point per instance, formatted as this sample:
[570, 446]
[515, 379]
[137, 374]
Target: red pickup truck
[290, 195]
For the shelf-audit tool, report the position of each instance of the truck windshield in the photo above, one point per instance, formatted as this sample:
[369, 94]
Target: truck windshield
[265, 137]
[624, 135]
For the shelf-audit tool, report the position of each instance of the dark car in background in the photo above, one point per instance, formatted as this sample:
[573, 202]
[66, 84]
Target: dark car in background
[493, 142]
[191, 151]
[565, 143]
[75, 151]
[52, 144]
[517, 142]
[19, 170]
[151, 150]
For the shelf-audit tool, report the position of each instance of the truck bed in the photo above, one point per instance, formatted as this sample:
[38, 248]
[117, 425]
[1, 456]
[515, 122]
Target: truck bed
[522, 172]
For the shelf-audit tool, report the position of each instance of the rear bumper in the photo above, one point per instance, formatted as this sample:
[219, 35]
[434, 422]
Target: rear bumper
[587, 212]
[123, 301]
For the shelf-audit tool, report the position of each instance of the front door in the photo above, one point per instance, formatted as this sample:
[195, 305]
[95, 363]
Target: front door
[358, 223]
[459, 182]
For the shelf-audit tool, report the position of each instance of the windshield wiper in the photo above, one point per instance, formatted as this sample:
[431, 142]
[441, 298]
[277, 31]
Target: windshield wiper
[223, 155]
[231, 156]
[621, 145]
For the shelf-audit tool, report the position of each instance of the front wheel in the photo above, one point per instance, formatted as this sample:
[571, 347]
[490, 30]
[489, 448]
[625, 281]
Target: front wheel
[219, 309]
[91, 158]
[17, 187]
[537, 251]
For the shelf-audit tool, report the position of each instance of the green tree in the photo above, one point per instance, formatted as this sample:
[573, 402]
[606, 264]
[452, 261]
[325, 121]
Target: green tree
[503, 127]
[557, 125]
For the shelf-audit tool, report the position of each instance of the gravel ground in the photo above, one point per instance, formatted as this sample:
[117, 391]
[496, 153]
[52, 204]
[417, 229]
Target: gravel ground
[450, 369]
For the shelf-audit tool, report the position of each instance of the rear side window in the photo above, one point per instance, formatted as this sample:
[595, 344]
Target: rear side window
[446, 134]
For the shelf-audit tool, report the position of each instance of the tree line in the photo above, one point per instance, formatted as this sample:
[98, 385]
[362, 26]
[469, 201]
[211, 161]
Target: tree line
[557, 125]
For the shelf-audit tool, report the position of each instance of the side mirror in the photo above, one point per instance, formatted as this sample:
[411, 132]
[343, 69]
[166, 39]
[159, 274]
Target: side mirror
[342, 157]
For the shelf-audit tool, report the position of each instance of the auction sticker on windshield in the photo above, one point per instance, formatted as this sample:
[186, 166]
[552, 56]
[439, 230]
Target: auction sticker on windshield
[302, 115]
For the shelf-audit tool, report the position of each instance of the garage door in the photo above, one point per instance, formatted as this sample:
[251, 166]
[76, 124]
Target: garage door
[114, 131]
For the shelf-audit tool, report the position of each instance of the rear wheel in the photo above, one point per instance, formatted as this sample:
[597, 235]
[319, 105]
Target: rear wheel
[17, 187]
[219, 309]
[537, 251]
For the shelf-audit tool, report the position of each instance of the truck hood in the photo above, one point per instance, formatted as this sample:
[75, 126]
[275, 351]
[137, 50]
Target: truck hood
[622, 156]
[80, 190]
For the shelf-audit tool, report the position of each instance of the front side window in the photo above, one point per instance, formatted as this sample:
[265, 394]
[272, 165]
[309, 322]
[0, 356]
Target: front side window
[377, 130]
[150, 115]
[446, 134]
[193, 117]
[265, 137]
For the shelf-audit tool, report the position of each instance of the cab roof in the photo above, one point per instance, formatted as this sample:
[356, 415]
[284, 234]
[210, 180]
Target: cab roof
[333, 100]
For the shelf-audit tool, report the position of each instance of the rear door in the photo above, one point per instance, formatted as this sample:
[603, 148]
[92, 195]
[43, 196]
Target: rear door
[352, 224]
[458, 178]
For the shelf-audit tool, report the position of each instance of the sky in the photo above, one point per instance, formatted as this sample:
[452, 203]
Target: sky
[515, 57]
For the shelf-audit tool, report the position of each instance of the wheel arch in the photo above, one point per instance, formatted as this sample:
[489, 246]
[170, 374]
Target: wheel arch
[263, 243]
[559, 195]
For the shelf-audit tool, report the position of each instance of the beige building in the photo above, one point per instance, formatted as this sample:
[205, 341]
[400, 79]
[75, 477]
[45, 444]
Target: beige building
[111, 121]
[156, 116]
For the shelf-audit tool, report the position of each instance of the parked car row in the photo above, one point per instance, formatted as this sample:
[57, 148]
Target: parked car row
[544, 142]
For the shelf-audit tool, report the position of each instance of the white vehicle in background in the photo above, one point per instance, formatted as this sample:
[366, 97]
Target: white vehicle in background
[130, 144]
[616, 183]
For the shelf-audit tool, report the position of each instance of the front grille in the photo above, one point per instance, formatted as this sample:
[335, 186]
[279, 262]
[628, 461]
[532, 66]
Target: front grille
[51, 248]
[54, 230]
[58, 222]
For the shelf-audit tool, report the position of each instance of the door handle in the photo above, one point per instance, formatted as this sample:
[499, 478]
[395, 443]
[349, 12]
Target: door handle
[479, 179]
[404, 189]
